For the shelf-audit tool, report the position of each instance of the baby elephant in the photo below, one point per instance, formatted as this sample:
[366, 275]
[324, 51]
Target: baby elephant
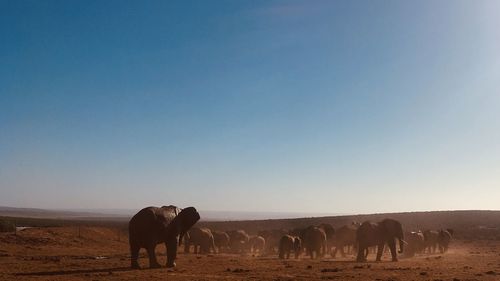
[288, 244]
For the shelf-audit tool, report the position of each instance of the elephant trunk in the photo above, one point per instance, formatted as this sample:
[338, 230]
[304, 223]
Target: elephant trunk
[401, 245]
[401, 239]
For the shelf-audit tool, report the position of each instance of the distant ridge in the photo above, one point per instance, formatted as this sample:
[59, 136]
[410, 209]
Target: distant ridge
[50, 214]
[467, 222]
[127, 213]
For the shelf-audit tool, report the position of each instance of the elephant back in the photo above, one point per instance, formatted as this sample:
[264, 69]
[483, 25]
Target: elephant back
[149, 222]
[221, 238]
[346, 234]
[238, 236]
[199, 233]
[168, 212]
[313, 237]
[149, 217]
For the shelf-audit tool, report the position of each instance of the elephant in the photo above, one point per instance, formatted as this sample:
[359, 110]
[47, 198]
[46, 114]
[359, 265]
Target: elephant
[345, 236]
[297, 246]
[202, 240]
[272, 238]
[330, 233]
[221, 240]
[416, 243]
[155, 225]
[444, 238]
[379, 234]
[314, 240]
[431, 238]
[288, 244]
[256, 244]
[237, 240]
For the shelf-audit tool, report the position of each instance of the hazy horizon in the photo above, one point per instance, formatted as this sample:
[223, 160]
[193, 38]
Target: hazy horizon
[220, 215]
[206, 215]
[260, 106]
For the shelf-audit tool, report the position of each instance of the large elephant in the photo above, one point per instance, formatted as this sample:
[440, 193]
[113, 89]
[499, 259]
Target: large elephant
[378, 234]
[444, 238]
[221, 240]
[416, 243]
[288, 244]
[345, 236]
[431, 240]
[330, 233]
[256, 244]
[314, 240]
[237, 240]
[201, 239]
[154, 225]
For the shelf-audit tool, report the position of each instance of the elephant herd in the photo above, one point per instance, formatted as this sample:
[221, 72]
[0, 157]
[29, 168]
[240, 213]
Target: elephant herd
[428, 241]
[204, 241]
[172, 225]
[321, 240]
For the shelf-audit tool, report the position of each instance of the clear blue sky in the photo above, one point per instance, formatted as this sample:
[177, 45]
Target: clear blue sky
[304, 106]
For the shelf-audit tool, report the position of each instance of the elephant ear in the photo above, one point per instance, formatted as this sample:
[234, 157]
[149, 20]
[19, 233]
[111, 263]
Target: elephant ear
[185, 220]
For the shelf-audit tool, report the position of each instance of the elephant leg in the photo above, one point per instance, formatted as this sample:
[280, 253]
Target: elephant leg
[186, 247]
[342, 252]
[171, 252]
[361, 254]
[334, 252]
[134, 255]
[153, 263]
[380, 251]
[392, 248]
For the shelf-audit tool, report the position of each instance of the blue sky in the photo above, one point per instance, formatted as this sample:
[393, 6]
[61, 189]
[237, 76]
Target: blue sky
[300, 106]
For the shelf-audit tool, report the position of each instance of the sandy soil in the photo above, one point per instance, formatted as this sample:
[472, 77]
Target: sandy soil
[102, 254]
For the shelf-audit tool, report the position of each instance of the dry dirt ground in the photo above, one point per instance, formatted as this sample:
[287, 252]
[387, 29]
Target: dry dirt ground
[102, 254]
